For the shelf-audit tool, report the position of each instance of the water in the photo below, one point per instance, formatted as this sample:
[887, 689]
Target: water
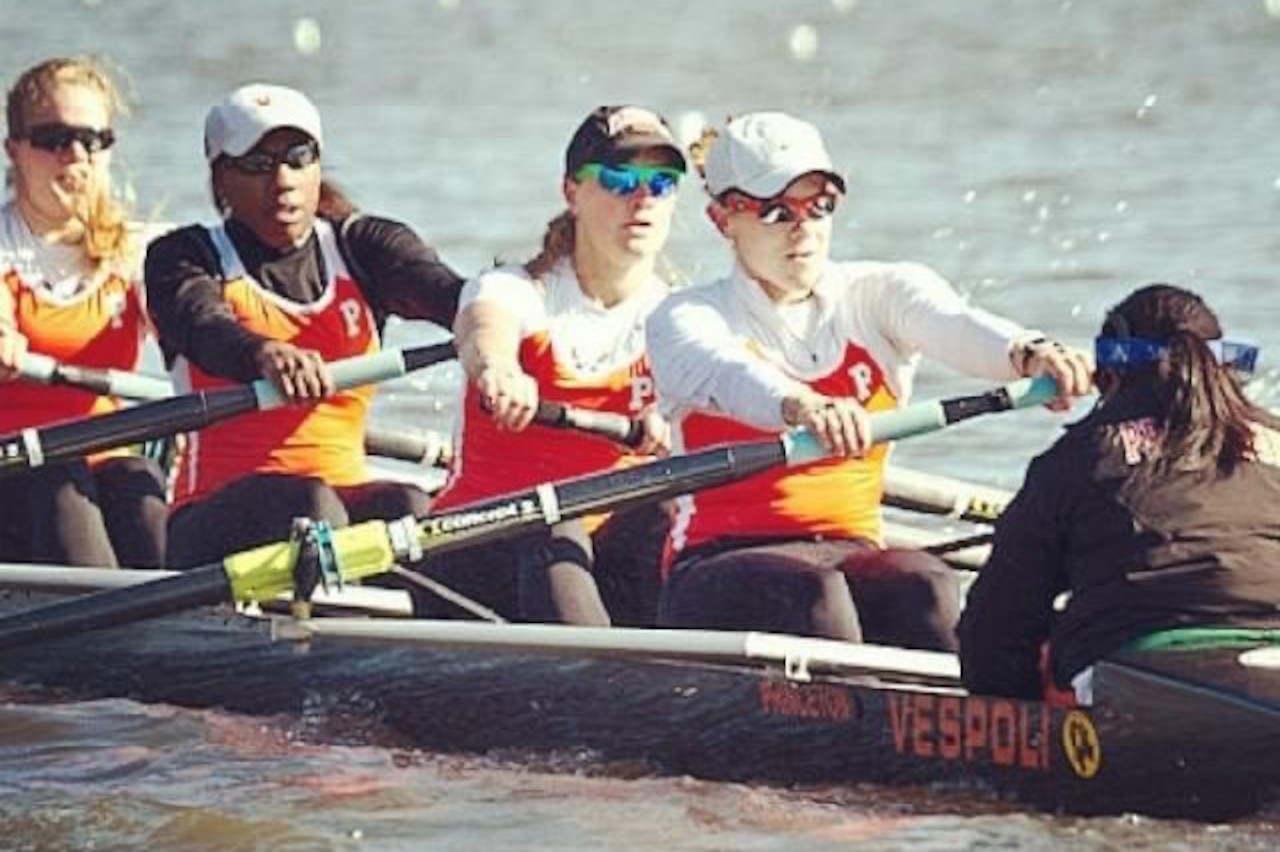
[1045, 155]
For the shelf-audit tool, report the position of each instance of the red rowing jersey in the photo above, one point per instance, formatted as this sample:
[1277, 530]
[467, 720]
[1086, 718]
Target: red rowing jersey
[325, 440]
[68, 313]
[786, 503]
[580, 353]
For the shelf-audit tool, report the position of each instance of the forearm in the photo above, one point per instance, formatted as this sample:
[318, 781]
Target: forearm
[487, 338]
[698, 364]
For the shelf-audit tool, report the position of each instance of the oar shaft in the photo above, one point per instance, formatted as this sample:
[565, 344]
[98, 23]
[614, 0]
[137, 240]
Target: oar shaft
[37, 446]
[616, 427]
[202, 586]
[372, 547]
[939, 495]
[42, 369]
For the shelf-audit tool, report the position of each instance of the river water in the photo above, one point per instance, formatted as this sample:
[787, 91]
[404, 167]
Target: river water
[1045, 155]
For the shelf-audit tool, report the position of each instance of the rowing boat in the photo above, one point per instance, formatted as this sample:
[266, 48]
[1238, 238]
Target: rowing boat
[1173, 734]
[1166, 739]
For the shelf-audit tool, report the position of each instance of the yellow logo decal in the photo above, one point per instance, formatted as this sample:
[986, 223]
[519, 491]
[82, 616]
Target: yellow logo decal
[1081, 745]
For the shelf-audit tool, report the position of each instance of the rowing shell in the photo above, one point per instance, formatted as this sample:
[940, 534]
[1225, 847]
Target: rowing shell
[717, 706]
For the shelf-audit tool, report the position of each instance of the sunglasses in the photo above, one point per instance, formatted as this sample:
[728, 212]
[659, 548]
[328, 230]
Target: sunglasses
[626, 179]
[1122, 353]
[59, 137]
[296, 157]
[780, 208]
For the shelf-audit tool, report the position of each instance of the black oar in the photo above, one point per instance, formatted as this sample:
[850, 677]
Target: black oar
[420, 448]
[373, 547]
[433, 449]
[34, 447]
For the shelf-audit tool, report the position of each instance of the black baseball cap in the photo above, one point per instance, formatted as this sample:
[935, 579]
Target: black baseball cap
[613, 134]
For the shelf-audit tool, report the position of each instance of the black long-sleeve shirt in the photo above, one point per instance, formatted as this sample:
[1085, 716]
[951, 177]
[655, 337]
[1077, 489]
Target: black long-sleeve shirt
[397, 273]
[1138, 555]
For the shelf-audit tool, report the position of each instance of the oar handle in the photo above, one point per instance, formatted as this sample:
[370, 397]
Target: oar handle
[921, 417]
[44, 370]
[426, 448]
[366, 370]
[607, 424]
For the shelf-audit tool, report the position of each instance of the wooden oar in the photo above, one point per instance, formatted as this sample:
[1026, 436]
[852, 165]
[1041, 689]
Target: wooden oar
[34, 447]
[373, 547]
[34, 367]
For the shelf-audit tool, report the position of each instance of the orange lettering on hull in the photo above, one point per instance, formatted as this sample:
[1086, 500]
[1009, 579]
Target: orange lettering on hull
[808, 701]
[991, 731]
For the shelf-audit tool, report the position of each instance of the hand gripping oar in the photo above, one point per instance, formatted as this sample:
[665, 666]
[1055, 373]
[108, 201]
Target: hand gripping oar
[372, 547]
[36, 446]
[34, 367]
[417, 447]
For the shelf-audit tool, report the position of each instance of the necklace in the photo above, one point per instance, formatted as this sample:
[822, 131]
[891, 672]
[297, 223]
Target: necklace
[799, 321]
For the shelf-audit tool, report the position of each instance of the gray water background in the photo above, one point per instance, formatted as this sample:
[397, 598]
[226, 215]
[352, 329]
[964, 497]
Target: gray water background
[1047, 156]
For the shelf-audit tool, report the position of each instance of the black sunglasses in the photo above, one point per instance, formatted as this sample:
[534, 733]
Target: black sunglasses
[296, 157]
[57, 136]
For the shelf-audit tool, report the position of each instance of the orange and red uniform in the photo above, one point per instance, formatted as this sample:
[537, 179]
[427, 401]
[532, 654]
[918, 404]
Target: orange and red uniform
[580, 353]
[725, 356]
[325, 440]
[90, 320]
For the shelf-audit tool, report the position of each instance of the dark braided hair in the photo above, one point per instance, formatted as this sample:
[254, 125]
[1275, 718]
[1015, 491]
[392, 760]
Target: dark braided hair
[1205, 418]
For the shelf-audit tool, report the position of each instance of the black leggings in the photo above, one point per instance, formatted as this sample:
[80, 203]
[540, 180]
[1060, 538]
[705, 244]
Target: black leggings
[70, 513]
[562, 575]
[834, 589]
[260, 508]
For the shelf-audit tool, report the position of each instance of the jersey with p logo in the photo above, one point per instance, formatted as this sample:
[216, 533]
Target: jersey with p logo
[100, 327]
[836, 498]
[325, 440]
[580, 354]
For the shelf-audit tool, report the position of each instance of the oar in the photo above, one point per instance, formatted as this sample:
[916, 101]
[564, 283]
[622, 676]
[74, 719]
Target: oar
[433, 449]
[940, 495]
[372, 547]
[37, 446]
[34, 367]
[427, 448]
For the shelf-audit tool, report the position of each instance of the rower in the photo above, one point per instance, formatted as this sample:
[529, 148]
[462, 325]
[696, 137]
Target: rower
[292, 277]
[71, 290]
[789, 339]
[1156, 512]
[568, 327]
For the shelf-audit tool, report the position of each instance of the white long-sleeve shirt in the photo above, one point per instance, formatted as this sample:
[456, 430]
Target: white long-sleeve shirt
[724, 356]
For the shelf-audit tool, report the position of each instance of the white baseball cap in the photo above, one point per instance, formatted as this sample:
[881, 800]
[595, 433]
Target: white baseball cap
[761, 153]
[235, 124]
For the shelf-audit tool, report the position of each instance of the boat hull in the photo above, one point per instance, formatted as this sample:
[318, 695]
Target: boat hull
[1161, 757]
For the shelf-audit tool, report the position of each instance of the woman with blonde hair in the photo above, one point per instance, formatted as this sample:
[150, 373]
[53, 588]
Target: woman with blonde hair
[568, 326]
[70, 289]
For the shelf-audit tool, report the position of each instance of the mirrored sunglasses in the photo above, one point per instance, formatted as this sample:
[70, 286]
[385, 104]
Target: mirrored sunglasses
[58, 137]
[627, 178]
[296, 157]
[782, 209]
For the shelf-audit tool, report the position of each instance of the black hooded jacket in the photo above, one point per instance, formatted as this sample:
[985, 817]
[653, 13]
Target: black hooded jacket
[1137, 554]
